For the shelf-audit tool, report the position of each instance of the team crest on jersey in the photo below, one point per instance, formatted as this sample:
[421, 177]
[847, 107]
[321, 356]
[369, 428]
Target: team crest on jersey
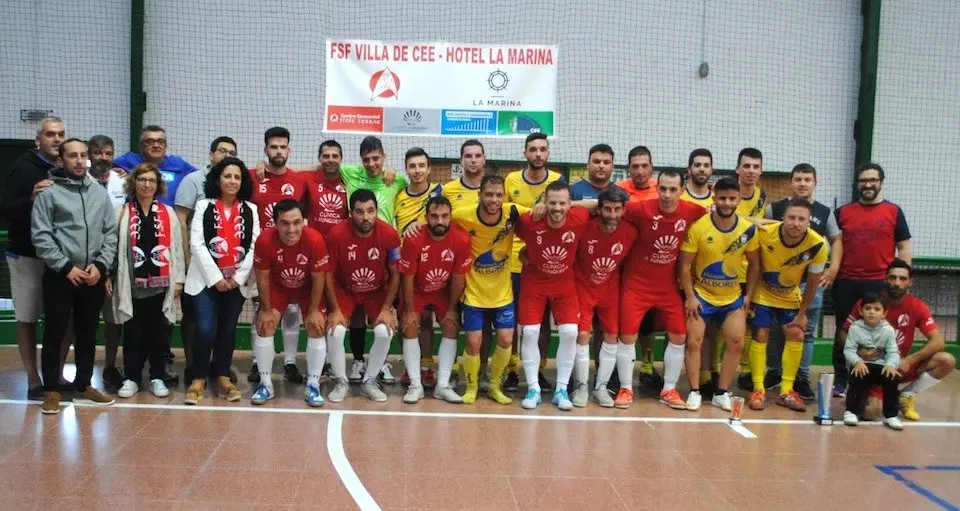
[373, 254]
[287, 189]
[616, 249]
[568, 237]
[679, 225]
[292, 277]
[446, 256]
[903, 320]
[301, 259]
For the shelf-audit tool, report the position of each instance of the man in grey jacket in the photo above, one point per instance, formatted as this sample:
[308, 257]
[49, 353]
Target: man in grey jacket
[74, 229]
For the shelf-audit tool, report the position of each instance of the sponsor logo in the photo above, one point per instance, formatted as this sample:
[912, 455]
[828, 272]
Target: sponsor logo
[554, 257]
[468, 122]
[523, 123]
[384, 84]
[666, 249]
[293, 277]
[355, 118]
[498, 81]
[602, 268]
[410, 120]
[435, 280]
[363, 280]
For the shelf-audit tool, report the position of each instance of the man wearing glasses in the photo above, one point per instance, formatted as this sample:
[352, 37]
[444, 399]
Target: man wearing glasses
[873, 232]
[153, 149]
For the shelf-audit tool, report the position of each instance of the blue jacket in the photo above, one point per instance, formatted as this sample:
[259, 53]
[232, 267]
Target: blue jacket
[173, 168]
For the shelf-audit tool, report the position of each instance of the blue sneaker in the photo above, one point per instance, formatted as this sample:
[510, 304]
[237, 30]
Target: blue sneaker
[312, 396]
[532, 399]
[562, 400]
[261, 395]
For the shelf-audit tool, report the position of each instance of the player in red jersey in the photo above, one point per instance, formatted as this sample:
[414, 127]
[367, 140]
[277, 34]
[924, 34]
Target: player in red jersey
[604, 245]
[279, 183]
[906, 313]
[326, 193]
[547, 278]
[364, 251]
[650, 283]
[433, 264]
[291, 263]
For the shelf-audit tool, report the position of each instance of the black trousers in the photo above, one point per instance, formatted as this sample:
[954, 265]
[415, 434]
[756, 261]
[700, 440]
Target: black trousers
[60, 299]
[146, 336]
[857, 393]
[845, 294]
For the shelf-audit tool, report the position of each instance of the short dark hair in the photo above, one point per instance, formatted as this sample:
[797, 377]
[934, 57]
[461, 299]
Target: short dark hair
[151, 127]
[211, 187]
[869, 166]
[216, 142]
[99, 142]
[726, 183]
[276, 131]
[600, 148]
[472, 142]
[67, 141]
[613, 193]
[874, 297]
[287, 205]
[672, 173]
[362, 195]
[799, 202]
[900, 263]
[496, 179]
[699, 152]
[803, 168]
[330, 143]
[639, 151]
[438, 200]
[749, 152]
[557, 186]
[531, 137]
[415, 151]
[370, 144]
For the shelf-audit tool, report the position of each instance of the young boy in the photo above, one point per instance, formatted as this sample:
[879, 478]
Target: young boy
[872, 355]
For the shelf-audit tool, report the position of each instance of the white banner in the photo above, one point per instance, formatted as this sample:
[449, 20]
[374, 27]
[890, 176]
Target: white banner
[440, 89]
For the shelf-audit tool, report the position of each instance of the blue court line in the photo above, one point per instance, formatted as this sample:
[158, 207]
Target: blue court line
[894, 471]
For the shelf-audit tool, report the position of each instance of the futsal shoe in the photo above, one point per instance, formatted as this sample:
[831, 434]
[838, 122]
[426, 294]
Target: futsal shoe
[850, 418]
[792, 401]
[604, 397]
[694, 400]
[624, 398]
[802, 386]
[261, 395]
[672, 399]
[312, 396]
[562, 400]
[908, 408]
[532, 399]
[414, 394]
[447, 394]
[580, 395]
[340, 391]
[292, 374]
[371, 389]
[745, 382]
[723, 401]
[649, 377]
[757, 401]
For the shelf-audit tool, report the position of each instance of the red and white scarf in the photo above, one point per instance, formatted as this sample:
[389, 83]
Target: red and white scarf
[229, 230]
[150, 245]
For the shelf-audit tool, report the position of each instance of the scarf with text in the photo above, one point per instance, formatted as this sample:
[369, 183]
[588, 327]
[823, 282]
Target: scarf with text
[227, 235]
[150, 245]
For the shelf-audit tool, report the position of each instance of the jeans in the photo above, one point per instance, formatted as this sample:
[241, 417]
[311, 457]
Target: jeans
[146, 335]
[216, 313]
[60, 299]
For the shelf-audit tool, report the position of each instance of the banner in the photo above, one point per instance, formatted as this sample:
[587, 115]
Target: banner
[440, 89]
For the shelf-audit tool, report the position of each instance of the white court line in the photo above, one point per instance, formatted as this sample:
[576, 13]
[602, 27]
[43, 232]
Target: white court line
[742, 430]
[467, 415]
[340, 462]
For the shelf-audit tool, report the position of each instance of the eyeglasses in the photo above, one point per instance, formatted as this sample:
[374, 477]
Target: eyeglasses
[868, 181]
[146, 180]
[154, 141]
[227, 152]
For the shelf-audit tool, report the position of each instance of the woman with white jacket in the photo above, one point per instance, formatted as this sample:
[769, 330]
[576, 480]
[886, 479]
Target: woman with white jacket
[223, 232]
[149, 274]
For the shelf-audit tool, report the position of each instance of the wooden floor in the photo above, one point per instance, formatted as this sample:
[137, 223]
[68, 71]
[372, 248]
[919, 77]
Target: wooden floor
[149, 453]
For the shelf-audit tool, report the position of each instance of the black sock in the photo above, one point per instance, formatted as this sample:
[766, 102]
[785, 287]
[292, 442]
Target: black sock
[719, 392]
[697, 390]
[358, 341]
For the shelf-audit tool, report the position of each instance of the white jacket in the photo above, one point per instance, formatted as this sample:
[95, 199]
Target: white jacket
[203, 271]
[123, 285]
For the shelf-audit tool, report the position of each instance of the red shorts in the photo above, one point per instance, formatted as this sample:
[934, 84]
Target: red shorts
[604, 301]
[370, 302]
[634, 305]
[281, 299]
[438, 302]
[534, 299]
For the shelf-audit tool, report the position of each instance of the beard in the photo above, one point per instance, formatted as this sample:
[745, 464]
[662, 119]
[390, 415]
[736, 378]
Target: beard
[363, 226]
[896, 293]
[278, 161]
[438, 230]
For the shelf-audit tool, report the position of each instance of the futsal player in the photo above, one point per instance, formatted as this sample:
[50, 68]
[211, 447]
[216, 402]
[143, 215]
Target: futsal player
[697, 186]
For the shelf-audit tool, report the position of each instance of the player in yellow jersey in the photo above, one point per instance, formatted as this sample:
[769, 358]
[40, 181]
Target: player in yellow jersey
[714, 249]
[699, 170]
[790, 252]
[464, 191]
[488, 292]
[409, 217]
[526, 188]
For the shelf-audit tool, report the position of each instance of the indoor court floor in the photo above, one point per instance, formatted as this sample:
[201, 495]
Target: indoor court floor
[147, 453]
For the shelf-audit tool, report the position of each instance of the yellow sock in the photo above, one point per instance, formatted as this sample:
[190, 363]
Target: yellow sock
[471, 371]
[745, 354]
[758, 364]
[792, 353]
[717, 353]
[426, 362]
[514, 362]
[498, 364]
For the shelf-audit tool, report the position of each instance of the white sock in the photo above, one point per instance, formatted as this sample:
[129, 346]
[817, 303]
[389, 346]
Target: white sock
[530, 353]
[336, 352]
[672, 362]
[922, 383]
[626, 353]
[566, 352]
[447, 354]
[606, 361]
[378, 352]
[411, 359]
[316, 354]
[581, 364]
[263, 353]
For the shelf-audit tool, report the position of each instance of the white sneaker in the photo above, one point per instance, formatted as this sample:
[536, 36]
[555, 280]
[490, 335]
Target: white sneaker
[371, 389]
[356, 372]
[893, 423]
[386, 374]
[414, 394]
[694, 399]
[850, 418]
[580, 395]
[603, 396]
[340, 390]
[157, 388]
[128, 389]
[447, 394]
[723, 401]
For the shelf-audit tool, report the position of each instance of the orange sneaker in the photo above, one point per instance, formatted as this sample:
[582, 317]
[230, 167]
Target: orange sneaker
[672, 399]
[792, 401]
[624, 398]
[757, 400]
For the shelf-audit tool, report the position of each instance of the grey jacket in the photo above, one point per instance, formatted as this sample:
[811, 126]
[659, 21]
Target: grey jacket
[74, 224]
